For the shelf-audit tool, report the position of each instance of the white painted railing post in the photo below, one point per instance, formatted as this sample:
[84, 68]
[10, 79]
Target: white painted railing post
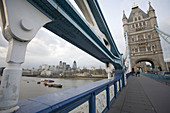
[19, 27]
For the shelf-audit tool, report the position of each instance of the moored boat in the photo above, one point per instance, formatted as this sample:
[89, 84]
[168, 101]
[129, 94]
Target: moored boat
[47, 80]
[50, 80]
[38, 82]
[55, 85]
[45, 83]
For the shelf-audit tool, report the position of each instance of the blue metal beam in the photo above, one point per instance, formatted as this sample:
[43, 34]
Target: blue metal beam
[69, 25]
[97, 13]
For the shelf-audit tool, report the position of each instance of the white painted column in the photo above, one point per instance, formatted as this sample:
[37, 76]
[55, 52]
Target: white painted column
[108, 70]
[10, 87]
[18, 27]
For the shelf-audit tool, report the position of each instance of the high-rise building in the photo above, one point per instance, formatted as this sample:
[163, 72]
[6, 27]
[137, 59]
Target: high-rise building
[143, 39]
[64, 66]
[74, 66]
[60, 64]
[68, 68]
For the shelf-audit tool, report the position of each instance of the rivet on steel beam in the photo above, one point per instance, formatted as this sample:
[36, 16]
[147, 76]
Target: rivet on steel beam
[26, 25]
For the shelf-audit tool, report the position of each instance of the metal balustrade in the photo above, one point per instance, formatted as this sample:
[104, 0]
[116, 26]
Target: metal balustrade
[156, 76]
[94, 97]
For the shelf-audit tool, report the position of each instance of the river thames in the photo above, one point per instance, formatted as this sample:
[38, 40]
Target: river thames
[30, 88]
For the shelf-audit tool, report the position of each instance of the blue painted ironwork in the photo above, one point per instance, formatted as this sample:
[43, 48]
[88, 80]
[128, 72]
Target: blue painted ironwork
[69, 25]
[156, 76]
[123, 80]
[115, 89]
[92, 103]
[97, 13]
[127, 56]
[67, 100]
[129, 74]
[108, 97]
[165, 36]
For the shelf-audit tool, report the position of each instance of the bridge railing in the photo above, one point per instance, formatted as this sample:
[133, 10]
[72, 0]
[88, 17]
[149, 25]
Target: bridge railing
[95, 97]
[156, 76]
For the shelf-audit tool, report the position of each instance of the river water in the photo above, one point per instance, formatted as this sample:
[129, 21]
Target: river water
[30, 88]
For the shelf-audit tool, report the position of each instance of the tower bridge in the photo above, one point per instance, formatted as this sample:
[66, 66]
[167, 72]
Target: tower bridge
[143, 39]
[21, 20]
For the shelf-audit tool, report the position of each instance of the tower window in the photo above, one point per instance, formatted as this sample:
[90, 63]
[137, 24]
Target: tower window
[139, 18]
[142, 49]
[140, 24]
[136, 25]
[153, 48]
[140, 37]
[136, 50]
[144, 23]
[135, 19]
[149, 36]
[133, 26]
[133, 40]
[149, 48]
[132, 50]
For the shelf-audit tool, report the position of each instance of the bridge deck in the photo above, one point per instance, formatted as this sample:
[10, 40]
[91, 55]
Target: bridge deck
[142, 95]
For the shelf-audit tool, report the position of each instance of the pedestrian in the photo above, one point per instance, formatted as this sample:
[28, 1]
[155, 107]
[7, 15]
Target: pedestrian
[138, 74]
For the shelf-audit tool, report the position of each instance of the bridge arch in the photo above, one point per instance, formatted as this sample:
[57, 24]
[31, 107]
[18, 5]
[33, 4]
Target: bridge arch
[141, 63]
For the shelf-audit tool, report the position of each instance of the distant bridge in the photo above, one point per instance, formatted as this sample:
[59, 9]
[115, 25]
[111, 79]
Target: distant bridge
[21, 20]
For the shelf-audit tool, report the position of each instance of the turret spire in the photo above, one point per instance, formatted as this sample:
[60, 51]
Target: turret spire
[124, 16]
[150, 7]
[134, 6]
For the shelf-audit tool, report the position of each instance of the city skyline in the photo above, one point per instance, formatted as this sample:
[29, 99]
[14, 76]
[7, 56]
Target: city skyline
[48, 48]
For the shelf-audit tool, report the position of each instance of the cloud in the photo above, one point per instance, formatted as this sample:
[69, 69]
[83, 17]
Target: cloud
[165, 26]
[3, 50]
[3, 54]
[3, 42]
[48, 48]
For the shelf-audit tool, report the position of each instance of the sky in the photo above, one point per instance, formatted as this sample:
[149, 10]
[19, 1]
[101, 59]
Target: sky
[48, 48]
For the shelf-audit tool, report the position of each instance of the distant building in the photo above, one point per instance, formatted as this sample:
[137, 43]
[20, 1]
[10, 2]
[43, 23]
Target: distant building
[40, 68]
[44, 66]
[30, 72]
[64, 66]
[68, 68]
[84, 67]
[93, 68]
[50, 70]
[74, 66]
[60, 64]
[78, 69]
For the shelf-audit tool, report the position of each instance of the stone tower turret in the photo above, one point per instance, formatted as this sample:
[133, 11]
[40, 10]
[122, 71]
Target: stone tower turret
[152, 16]
[125, 23]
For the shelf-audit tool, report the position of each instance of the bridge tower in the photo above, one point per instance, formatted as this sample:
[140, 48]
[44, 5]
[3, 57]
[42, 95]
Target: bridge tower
[143, 39]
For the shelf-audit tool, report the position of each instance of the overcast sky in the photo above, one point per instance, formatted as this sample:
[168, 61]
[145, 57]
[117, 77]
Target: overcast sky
[47, 48]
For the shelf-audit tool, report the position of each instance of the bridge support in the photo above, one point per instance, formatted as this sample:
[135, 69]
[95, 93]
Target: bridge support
[20, 22]
[10, 87]
[108, 70]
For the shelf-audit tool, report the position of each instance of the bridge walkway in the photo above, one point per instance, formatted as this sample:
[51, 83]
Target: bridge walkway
[142, 95]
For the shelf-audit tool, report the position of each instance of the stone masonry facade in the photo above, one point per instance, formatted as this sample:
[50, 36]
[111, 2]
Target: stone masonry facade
[143, 40]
